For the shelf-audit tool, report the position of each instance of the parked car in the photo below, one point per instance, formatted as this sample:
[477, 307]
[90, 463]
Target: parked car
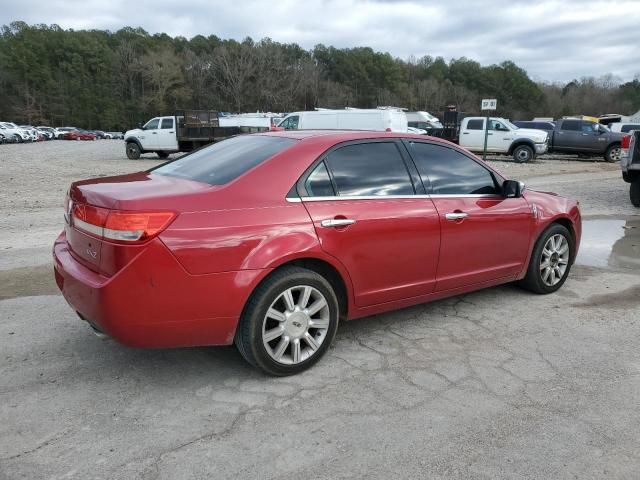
[358, 223]
[586, 137]
[630, 164]
[48, 132]
[116, 135]
[381, 120]
[622, 127]
[545, 126]
[60, 131]
[79, 135]
[503, 137]
[10, 129]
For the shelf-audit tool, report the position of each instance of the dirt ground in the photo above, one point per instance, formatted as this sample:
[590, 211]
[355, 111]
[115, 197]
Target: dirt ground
[495, 384]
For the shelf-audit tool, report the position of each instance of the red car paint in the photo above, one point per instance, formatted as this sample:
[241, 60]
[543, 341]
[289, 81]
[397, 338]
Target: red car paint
[188, 285]
[77, 135]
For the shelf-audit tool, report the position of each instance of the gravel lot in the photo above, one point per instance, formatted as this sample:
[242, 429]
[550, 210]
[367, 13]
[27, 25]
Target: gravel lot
[495, 384]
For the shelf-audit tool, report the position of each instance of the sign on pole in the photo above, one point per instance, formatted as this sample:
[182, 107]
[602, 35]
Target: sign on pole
[487, 104]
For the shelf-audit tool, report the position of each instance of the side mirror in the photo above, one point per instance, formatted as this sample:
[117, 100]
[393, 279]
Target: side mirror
[512, 189]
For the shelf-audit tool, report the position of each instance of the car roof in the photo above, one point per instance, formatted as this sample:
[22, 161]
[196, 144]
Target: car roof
[347, 135]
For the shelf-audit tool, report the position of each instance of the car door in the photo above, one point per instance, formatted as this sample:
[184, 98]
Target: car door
[484, 236]
[569, 136]
[149, 137]
[472, 136]
[593, 138]
[167, 139]
[361, 198]
[499, 137]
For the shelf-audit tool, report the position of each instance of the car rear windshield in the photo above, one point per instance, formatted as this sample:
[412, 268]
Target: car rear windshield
[225, 161]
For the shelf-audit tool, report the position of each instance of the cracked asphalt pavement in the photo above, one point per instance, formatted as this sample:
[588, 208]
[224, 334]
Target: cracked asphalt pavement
[499, 383]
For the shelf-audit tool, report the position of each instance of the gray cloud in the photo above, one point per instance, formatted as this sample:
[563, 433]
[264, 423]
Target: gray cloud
[553, 40]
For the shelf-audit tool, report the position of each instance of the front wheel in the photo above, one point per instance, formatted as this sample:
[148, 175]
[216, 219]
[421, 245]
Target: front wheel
[612, 154]
[550, 261]
[289, 322]
[133, 151]
[634, 192]
[523, 154]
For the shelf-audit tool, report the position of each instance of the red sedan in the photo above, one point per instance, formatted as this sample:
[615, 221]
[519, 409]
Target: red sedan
[79, 135]
[268, 240]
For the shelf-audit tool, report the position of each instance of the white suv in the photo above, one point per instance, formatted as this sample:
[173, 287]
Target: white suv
[11, 130]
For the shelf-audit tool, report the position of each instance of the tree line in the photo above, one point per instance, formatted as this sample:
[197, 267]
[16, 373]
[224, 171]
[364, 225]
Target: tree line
[114, 80]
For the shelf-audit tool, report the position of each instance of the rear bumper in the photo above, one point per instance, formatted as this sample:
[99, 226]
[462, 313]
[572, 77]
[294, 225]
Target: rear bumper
[153, 301]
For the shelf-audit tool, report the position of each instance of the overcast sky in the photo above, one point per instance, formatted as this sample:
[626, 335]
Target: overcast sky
[552, 40]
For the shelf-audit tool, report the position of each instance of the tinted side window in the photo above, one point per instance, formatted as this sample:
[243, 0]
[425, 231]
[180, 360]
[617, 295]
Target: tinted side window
[369, 169]
[450, 172]
[477, 124]
[318, 183]
[152, 124]
[573, 125]
[628, 128]
[167, 123]
[224, 161]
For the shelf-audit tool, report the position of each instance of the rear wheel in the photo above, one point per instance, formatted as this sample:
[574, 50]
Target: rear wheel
[634, 192]
[163, 155]
[550, 261]
[613, 153]
[523, 153]
[289, 322]
[133, 151]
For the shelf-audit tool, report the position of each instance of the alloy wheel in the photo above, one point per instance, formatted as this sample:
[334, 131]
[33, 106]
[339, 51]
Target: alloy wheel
[554, 259]
[296, 325]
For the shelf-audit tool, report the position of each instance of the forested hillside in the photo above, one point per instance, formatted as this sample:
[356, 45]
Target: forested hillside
[114, 80]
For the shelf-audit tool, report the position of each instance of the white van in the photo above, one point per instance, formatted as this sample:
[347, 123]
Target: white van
[379, 120]
[623, 127]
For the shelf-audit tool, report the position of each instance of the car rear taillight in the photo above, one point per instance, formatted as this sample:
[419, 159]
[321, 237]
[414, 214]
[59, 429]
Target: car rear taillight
[625, 144]
[118, 225]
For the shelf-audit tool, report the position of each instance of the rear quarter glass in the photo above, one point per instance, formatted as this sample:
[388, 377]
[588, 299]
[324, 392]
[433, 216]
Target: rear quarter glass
[225, 161]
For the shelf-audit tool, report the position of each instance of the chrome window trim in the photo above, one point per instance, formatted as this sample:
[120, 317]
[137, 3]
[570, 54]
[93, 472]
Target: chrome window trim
[388, 197]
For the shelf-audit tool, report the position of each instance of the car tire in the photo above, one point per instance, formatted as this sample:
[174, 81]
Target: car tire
[18, 138]
[612, 154]
[162, 155]
[133, 151]
[523, 153]
[276, 332]
[634, 192]
[550, 264]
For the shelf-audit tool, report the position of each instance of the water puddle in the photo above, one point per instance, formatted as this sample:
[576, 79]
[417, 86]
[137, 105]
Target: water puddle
[610, 243]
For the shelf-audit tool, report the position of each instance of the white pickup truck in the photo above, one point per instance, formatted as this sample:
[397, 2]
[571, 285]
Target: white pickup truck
[503, 137]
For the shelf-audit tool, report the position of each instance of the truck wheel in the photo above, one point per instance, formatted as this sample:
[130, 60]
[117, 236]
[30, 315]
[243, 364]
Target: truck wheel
[163, 155]
[133, 151]
[613, 153]
[523, 153]
[634, 192]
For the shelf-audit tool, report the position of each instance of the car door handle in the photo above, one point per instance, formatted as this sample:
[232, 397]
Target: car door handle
[172, 132]
[337, 222]
[585, 134]
[155, 133]
[456, 216]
